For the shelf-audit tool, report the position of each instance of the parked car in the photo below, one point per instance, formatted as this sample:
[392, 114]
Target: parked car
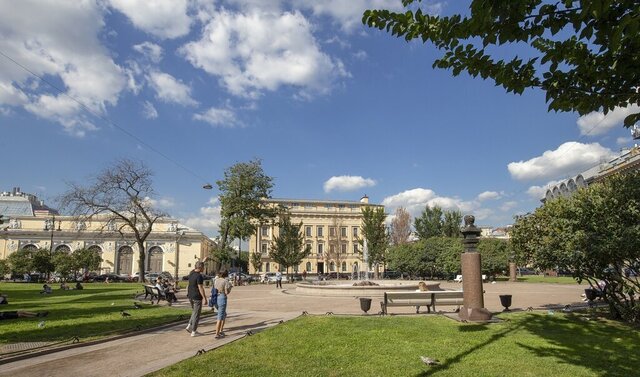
[244, 278]
[334, 275]
[525, 271]
[151, 277]
[112, 277]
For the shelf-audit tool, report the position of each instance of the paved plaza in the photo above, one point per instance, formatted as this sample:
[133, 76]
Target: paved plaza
[254, 308]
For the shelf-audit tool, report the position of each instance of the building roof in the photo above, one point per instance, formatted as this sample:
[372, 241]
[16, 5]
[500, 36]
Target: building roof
[319, 201]
[18, 203]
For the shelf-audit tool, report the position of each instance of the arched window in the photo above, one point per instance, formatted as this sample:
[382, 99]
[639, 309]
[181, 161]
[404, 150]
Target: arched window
[125, 260]
[30, 247]
[308, 267]
[344, 266]
[96, 249]
[154, 263]
[355, 267]
[332, 267]
[268, 267]
[63, 248]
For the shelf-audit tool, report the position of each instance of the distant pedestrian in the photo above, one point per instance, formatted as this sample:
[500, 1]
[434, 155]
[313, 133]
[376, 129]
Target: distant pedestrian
[304, 274]
[223, 286]
[278, 279]
[197, 297]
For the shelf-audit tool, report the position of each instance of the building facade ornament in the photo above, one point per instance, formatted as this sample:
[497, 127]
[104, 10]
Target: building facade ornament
[15, 224]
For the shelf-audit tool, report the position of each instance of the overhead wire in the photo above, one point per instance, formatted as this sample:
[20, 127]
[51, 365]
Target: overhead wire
[106, 119]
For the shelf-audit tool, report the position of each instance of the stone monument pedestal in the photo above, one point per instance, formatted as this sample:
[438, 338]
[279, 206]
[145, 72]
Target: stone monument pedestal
[512, 272]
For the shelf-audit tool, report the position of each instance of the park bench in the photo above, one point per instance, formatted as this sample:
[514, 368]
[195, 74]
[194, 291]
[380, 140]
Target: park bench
[154, 292]
[445, 298]
[416, 299]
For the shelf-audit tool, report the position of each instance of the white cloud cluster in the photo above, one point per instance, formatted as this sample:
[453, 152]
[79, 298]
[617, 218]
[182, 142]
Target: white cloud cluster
[149, 111]
[567, 158]
[150, 50]
[59, 39]
[169, 89]
[347, 183]
[257, 51]
[489, 195]
[415, 200]
[161, 18]
[219, 117]
[208, 220]
[597, 123]
[162, 203]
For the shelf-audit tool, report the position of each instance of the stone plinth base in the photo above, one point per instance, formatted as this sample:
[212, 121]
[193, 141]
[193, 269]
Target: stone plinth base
[475, 314]
[512, 272]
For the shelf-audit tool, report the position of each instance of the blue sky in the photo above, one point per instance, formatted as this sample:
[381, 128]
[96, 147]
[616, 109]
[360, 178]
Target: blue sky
[334, 110]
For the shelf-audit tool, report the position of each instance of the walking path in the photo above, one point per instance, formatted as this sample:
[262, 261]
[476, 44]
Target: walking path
[254, 308]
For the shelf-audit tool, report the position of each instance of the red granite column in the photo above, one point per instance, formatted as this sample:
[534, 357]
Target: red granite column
[473, 296]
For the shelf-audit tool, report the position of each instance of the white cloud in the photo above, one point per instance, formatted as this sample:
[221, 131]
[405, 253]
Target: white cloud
[169, 89]
[597, 123]
[219, 117]
[208, 219]
[257, 51]
[149, 111]
[161, 18]
[624, 140]
[508, 206]
[415, 201]
[347, 183]
[568, 158]
[59, 39]
[538, 192]
[360, 55]
[151, 50]
[163, 203]
[488, 195]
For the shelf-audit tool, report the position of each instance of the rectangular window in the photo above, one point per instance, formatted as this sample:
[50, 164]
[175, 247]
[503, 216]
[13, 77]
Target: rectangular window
[355, 248]
[265, 231]
[264, 248]
[307, 231]
[355, 232]
[320, 248]
[332, 249]
[343, 231]
[332, 231]
[320, 231]
[260, 269]
[309, 247]
[343, 248]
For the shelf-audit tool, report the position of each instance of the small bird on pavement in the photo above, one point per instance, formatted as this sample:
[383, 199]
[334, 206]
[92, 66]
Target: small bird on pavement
[125, 314]
[429, 361]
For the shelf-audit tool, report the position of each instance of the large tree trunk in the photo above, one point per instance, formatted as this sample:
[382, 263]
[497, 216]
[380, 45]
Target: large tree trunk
[141, 261]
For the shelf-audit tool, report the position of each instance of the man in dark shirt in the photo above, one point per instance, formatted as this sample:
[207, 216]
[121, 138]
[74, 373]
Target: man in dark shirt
[196, 295]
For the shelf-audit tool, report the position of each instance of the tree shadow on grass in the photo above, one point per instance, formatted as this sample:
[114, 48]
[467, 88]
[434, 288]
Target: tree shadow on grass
[607, 348]
[458, 358]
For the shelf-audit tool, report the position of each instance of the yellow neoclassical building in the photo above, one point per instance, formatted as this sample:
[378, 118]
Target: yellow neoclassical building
[29, 224]
[332, 229]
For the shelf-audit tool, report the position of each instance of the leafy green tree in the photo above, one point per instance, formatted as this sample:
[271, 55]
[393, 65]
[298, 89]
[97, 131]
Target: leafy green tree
[5, 269]
[495, 255]
[288, 248]
[87, 260]
[21, 262]
[375, 234]
[41, 261]
[451, 224]
[64, 264]
[242, 191]
[583, 54]
[256, 260]
[595, 233]
[121, 194]
[430, 223]
[445, 253]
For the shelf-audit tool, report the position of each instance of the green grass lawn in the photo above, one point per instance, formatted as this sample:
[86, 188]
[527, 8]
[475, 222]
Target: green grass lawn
[525, 344]
[90, 313]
